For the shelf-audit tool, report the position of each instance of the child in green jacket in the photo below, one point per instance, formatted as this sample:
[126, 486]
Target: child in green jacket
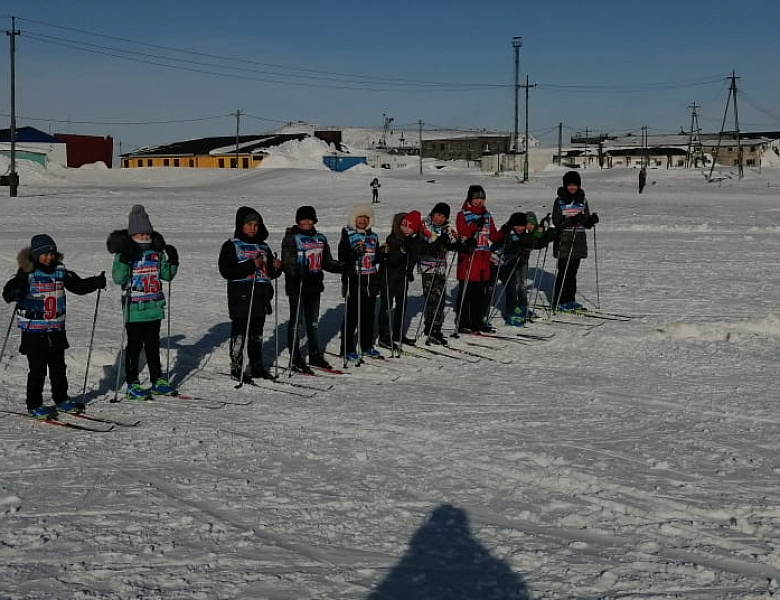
[142, 261]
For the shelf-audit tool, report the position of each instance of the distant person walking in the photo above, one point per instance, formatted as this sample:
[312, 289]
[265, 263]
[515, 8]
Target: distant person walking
[375, 185]
[642, 179]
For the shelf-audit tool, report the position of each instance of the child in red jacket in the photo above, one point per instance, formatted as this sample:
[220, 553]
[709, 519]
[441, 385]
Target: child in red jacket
[477, 230]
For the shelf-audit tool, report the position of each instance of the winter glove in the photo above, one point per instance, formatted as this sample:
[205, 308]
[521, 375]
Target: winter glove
[172, 254]
[16, 288]
[100, 281]
[545, 222]
[480, 222]
[127, 255]
[506, 228]
[578, 219]
[410, 277]
[470, 244]
[592, 220]
[158, 242]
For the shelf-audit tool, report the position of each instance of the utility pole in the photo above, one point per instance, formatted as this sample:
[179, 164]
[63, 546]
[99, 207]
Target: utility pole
[238, 138]
[420, 124]
[525, 160]
[386, 121]
[517, 43]
[694, 128]
[645, 157]
[560, 142]
[736, 133]
[13, 176]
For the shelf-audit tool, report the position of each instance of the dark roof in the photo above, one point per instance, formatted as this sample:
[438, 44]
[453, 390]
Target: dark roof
[28, 134]
[654, 150]
[247, 143]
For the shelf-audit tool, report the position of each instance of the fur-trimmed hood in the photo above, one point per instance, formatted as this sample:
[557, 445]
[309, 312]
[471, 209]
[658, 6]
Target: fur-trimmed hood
[26, 261]
[361, 210]
[119, 241]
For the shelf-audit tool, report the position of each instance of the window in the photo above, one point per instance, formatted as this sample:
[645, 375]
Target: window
[245, 163]
[175, 162]
[192, 163]
[148, 162]
[233, 163]
[221, 163]
[166, 162]
[750, 162]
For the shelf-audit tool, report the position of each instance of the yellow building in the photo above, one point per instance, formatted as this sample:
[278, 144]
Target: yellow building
[210, 153]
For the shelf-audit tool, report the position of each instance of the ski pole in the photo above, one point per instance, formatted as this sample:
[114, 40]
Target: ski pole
[276, 326]
[565, 271]
[436, 271]
[125, 315]
[541, 274]
[596, 263]
[294, 346]
[168, 351]
[344, 327]
[358, 328]
[245, 348]
[494, 278]
[495, 309]
[7, 334]
[441, 298]
[389, 311]
[89, 353]
[403, 307]
[463, 299]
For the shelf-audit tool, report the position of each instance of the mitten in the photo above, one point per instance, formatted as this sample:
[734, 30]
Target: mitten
[100, 281]
[172, 254]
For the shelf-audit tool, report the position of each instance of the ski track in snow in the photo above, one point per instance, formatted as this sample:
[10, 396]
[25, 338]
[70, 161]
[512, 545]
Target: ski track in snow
[630, 459]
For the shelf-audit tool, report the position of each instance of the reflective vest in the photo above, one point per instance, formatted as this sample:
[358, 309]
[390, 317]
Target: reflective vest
[310, 249]
[366, 262]
[42, 310]
[430, 233]
[248, 251]
[482, 235]
[145, 283]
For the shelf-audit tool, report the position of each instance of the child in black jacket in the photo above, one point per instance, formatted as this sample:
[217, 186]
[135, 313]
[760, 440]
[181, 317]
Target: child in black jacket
[248, 264]
[38, 289]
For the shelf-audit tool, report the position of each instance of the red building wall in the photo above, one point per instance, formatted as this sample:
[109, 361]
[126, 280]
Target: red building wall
[85, 149]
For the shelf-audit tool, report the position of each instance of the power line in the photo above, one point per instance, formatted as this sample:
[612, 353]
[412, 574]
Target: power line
[77, 122]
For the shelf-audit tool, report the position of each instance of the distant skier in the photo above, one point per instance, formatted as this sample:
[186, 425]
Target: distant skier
[375, 185]
[642, 179]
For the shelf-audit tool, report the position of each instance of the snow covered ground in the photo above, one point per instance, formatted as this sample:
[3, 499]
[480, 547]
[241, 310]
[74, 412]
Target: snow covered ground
[630, 459]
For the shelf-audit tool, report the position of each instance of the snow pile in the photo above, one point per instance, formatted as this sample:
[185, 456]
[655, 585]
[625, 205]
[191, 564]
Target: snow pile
[304, 154]
[723, 330]
[29, 171]
[771, 157]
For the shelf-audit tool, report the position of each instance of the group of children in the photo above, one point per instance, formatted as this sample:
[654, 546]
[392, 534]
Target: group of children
[370, 269]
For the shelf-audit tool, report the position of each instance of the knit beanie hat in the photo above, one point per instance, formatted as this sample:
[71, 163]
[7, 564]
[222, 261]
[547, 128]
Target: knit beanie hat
[413, 221]
[305, 212]
[442, 209]
[139, 221]
[531, 219]
[572, 177]
[475, 191]
[42, 244]
[516, 219]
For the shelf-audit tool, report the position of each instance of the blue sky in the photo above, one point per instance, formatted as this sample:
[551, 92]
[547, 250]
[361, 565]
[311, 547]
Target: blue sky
[603, 65]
